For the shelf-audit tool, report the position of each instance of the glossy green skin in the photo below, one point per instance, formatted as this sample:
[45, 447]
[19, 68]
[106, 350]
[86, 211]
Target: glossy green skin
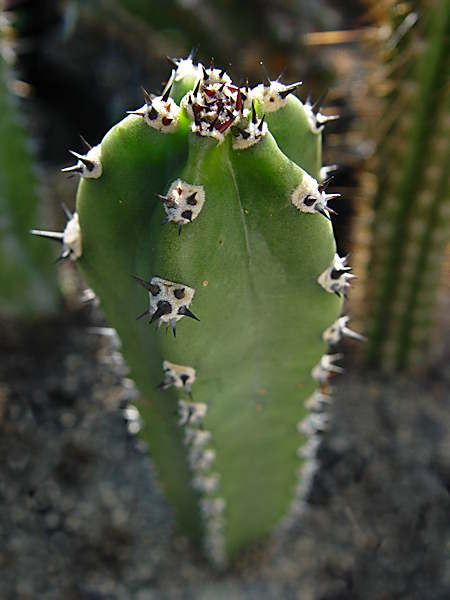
[253, 260]
[254, 348]
[290, 127]
[28, 286]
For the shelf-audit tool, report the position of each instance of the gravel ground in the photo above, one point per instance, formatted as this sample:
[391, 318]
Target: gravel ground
[81, 516]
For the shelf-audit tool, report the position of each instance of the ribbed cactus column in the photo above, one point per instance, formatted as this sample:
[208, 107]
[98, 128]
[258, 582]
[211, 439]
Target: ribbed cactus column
[28, 286]
[193, 217]
[404, 243]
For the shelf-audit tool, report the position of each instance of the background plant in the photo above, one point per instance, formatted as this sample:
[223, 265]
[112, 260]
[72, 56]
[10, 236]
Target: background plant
[403, 229]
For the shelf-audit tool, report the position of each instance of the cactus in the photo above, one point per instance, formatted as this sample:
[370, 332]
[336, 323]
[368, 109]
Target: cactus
[192, 214]
[400, 249]
[27, 279]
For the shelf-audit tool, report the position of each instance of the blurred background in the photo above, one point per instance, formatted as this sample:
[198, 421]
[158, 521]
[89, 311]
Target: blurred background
[81, 515]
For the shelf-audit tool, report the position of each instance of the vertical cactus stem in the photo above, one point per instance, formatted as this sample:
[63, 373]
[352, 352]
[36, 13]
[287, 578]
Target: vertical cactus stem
[253, 259]
[251, 238]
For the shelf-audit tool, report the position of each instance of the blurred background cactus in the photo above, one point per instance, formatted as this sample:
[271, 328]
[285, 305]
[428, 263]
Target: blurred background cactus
[403, 224]
[28, 286]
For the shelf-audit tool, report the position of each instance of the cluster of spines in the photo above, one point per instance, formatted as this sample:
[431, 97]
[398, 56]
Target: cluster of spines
[70, 238]
[316, 423]
[169, 301]
[201, 457]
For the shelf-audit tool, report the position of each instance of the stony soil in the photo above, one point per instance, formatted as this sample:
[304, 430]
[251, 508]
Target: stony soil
[81, 516]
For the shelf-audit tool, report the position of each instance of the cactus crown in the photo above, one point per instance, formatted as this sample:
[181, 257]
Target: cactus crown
[206, 203]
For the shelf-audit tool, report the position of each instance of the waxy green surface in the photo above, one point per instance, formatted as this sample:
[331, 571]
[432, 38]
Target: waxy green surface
[291, 128]
[253, 260]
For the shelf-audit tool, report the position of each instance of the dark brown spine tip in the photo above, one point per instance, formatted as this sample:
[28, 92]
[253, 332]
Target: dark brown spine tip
[288, 90]
[239, 101]
[172, 62]
[261, 123]
[152, 114]
[320, 100]
[325, 183]
[322, 212]
[166, 94]
[164, 308]
[191, 199]
[179, 293]
[187, 313]
[86, 143]
[144, 314]
[187, 214]
[335, 274]
[197, 87]
[309, 200]
[89, 164]
[147, 97]
[254, 117]
[151, 287]
[205, 74]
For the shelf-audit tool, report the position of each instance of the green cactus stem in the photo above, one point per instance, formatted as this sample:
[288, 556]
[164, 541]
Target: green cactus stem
[404, 243]
[28, 286]
[197, 220]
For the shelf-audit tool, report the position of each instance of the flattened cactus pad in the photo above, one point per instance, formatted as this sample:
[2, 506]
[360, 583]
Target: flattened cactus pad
[213, 213]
